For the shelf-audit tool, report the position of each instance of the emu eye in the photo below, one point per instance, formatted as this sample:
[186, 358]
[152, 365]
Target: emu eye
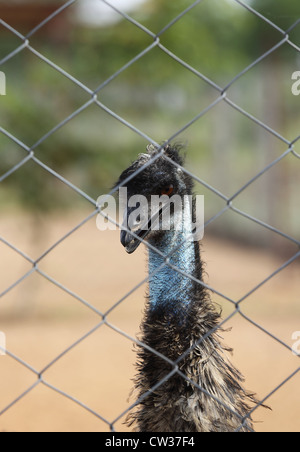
[167, 190]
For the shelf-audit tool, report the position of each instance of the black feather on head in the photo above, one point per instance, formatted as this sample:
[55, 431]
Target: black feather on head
[161, 173]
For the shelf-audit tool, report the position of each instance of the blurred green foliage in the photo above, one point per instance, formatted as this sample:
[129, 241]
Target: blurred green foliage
[218, 37]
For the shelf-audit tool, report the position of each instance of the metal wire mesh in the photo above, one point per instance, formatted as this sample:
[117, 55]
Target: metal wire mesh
[222, 96]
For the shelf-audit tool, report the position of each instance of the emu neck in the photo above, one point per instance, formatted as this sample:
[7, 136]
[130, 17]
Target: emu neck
[169, 290]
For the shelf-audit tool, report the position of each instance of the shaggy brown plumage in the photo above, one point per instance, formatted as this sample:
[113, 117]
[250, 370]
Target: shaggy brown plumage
[178, 405]
[211, 397]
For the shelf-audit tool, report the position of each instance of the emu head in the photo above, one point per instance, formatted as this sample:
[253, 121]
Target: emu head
[148, 195]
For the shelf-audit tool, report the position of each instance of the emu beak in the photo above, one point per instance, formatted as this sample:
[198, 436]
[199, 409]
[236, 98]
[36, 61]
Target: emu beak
[141, 229]
[129, 241]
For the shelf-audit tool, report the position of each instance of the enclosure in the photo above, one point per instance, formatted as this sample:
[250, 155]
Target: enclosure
[85, 86]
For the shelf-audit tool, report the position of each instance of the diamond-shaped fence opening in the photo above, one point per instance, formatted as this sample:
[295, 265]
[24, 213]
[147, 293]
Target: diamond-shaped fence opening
[223, 104]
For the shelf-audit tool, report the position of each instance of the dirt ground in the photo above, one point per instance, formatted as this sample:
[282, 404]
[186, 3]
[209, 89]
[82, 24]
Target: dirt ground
[41, 321]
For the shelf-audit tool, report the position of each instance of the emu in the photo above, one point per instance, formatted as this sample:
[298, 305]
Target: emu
[205, 392]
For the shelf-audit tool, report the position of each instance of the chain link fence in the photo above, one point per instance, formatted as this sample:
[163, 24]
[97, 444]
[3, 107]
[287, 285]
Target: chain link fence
[222, 95]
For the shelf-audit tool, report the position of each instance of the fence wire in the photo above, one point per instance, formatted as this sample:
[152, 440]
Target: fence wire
[222, 96]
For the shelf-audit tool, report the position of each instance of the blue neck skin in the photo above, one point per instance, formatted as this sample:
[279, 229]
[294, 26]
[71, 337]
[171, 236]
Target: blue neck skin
[169, 289]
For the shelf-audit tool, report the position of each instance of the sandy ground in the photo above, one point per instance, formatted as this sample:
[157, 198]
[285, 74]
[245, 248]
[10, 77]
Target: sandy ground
[41, 321]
